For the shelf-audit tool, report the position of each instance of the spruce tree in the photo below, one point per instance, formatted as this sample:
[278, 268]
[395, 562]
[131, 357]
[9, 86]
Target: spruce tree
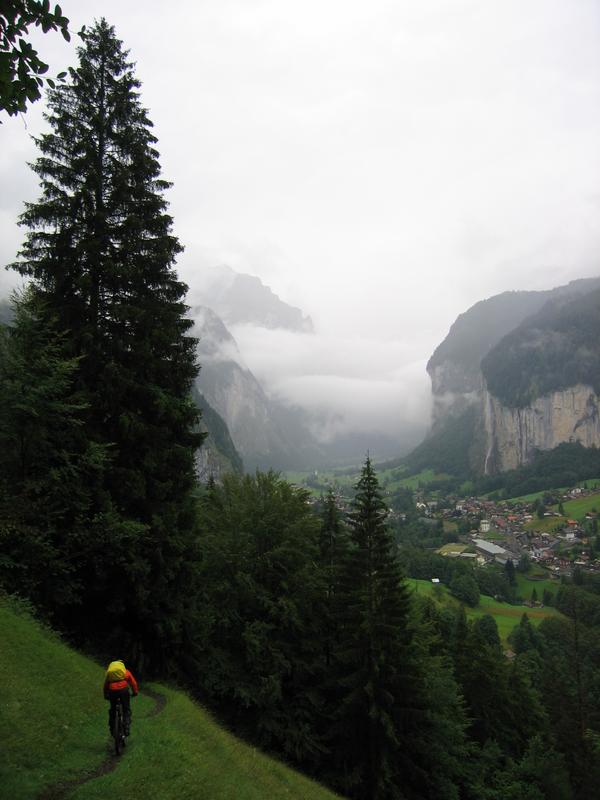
[101, 252]
[382, 699]
[48, 467]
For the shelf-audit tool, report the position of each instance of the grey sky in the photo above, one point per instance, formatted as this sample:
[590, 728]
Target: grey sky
[383, 165]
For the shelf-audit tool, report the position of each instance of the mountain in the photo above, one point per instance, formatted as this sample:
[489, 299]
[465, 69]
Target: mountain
[6, 314]
[454, 367]
[517, 373]
[265, 434]
[218, 453]
[238, 298]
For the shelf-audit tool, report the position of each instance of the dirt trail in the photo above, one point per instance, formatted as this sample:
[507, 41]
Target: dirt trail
[160, 701]
[59, 791]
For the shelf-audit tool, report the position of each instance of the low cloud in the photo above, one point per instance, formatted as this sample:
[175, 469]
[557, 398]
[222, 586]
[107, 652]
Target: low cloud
[346, 384]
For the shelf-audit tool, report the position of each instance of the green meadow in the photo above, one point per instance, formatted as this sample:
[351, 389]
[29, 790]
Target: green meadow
[506, 615]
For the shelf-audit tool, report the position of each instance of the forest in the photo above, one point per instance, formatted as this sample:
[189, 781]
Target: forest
[293, 624]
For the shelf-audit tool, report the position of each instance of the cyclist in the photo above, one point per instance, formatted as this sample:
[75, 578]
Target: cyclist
[117, 683]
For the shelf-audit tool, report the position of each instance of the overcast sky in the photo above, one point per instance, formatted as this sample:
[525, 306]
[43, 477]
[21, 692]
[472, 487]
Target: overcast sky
[382, 165]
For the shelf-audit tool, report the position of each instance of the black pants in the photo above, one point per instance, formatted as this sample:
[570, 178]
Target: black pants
[121, 695]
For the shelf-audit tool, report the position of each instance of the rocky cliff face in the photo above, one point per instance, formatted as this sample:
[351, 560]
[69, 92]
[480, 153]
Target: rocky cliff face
[514, 434]
[534, 343]
[233, 391]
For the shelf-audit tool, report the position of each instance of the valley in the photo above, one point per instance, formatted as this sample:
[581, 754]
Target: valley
[324, 472]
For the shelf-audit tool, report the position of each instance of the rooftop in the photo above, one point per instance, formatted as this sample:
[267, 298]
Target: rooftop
[488, 547]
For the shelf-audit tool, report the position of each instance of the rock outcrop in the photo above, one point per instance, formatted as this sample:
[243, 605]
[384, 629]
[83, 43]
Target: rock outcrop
[536, 347]
[513, 435]
[232, 390]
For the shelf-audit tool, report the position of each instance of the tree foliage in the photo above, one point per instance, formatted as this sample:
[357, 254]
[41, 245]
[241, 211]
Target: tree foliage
[100, 253]
[260, 656]
[48, 468]
[464, 587]
[21, 68]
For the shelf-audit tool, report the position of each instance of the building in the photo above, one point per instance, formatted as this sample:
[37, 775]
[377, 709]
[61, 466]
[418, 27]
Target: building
[491, 552]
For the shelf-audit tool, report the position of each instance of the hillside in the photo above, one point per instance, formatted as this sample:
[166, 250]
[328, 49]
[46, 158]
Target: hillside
[481, 327]
[218, 453]
[507, 616]
[55, 738]
[553, 350]
[517, 374]
[477, 330]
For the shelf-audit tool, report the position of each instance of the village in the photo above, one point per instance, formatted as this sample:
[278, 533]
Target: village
[500, 531]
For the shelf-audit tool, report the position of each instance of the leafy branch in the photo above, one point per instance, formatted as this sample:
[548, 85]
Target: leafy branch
[21, 68]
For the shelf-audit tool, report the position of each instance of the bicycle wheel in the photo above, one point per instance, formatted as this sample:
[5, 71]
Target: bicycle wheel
[118, 729]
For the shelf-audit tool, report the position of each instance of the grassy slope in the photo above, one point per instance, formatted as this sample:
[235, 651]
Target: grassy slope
[574, 509]
[506, 616]
[577, 509]
[529, 498]
[53, 726]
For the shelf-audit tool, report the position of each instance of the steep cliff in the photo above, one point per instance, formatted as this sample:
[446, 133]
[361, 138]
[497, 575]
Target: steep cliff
[455, 366]
[218, 453]
[513, 435]
[527, 364]
[541, 383]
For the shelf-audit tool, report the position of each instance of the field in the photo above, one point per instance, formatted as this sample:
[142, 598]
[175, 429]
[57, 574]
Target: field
[452, 548]
[318, 482]
[577, 509]
[527, 583]
[390, 480]
[546, 525]
[574, 509]
[530, 498]
[506, 615]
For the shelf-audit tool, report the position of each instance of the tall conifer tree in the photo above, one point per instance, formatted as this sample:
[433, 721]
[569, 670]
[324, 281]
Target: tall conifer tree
[378, 665]
[101, 251]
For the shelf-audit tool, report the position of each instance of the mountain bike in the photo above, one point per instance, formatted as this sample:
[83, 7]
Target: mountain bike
[118, 730]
